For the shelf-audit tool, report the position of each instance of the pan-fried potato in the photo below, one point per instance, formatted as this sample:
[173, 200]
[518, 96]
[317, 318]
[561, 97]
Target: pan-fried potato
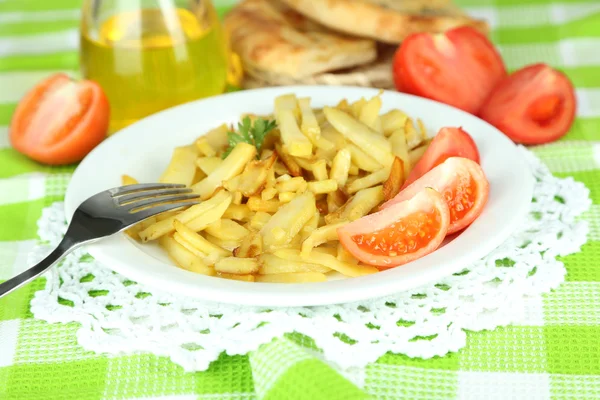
[255, 203]
[320, 187]
[294, 277]
[205, 148]
[184, 258]
[165, 226]
[288, 220]
[319, 170]
[203, 221]
[358, 206]
[369, 114]
[213, 252]
[392, 121]
[400, 149]
[259, 220]
[252, 246]
[286, 197]
[243, 278]
[391, 187]
[335, 200]
[254, 177]
[182, 167]
[344, 256]
[413, 138]
[233, 165]
[294, 142]
[310, 226]
[217, 137]
[319, 236]
[361, 135]
[271, 264]
[328, 259]
[368, 181]
[290, 163]
[229, 245]
[356, 107]
[296, 184]
[237, 198]
[416, 154]
[208, 164]
[268, 193]
[238, 266]
[228, 230]
[340, 166]
[128, 180]
[310, 125]
[362, 160]
[238, 212]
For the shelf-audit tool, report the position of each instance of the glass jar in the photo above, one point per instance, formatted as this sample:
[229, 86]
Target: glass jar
[149, 55]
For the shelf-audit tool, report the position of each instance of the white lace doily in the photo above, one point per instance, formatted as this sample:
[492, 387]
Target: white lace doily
[121, 316]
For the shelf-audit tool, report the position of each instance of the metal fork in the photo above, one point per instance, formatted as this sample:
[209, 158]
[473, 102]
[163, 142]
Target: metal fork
[105, 214]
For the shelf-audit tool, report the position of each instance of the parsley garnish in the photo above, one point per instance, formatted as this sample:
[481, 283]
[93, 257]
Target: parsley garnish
[253, 134]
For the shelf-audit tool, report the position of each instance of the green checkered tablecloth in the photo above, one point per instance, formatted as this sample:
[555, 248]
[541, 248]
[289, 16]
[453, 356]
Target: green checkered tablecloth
[555, 356]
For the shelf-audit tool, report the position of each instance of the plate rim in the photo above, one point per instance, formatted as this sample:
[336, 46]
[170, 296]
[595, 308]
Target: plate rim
[285, 295]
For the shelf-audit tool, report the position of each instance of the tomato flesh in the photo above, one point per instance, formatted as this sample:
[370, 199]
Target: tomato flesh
[449, 142]
[405, 236]
[60, 120]
[463, 186]
[400, 233]
[534, 105]
[459, 68]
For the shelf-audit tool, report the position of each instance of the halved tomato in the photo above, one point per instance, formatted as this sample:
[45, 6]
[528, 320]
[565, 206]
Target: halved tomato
[449, 142]
[534, 105]
[459, 67]
[463, 185]
[59, 121]
[399, 234]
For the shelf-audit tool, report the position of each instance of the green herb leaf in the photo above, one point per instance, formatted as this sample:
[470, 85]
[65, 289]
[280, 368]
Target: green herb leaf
[253, 134]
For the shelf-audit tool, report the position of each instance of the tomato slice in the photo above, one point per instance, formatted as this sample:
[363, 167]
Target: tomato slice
[399, 234]
[459, 68]
[463, 184]
[534, 105]
[59, 121]
[449, 142]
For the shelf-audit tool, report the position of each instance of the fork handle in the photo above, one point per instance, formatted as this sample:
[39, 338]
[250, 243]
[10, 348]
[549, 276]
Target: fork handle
[64, 247]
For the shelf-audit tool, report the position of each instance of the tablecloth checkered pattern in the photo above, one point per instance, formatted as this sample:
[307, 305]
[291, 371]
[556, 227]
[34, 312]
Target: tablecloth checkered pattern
[555, 354]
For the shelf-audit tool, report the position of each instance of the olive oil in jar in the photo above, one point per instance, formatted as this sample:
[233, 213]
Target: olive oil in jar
[147, 60]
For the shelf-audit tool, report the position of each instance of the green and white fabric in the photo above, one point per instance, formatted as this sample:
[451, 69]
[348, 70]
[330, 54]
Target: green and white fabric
[554, 356]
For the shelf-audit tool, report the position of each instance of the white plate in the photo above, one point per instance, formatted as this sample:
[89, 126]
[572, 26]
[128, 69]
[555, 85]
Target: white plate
[143, 150]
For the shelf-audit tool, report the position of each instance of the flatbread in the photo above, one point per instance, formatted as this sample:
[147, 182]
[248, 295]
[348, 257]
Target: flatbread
[377, 74]
[388, 21]
[275, 41]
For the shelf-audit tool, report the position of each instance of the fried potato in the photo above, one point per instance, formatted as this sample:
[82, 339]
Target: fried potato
[288, 220]
[319, 170]
[416, 154]
[413, 138]
[238, 266]
[238, 212]
[162, 227]
[345, 256]
[255, 203]
[184, 258]
[296, 184]
[228, 230]
[320, 187]
[259, 220]
[243, 278]
[362, 160]
[290, 163]
[204, 147]
[319, 236]
[252, 246]
[294, 141]
[340, 167]
[327, 258]
[128, 180]
[400, 149]
[357, 206]
[217, 137]
[271, 264]
[254, 177]
[310, 125]
[203, 221]
[268, 193]
[391, 187]
[213, 253]
[294, 277]
[369, 114]
[233, 165]
[392, 121]
[286, 197]
[368, 181]
[356, 107]
[208, 164]
[182, 167]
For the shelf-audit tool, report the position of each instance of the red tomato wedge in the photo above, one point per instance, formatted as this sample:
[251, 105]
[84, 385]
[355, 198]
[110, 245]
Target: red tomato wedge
[449, 142]
[534, 105]
[459, 67]
[404, 232]
[463, 185]
[59, 121]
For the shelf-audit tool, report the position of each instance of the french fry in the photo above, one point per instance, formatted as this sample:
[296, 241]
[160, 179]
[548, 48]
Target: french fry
[361, 135]
[319, 170]
[254, 177]
[205, 148]
[128, 180]
[238, 266]
[415, 155]
[391, 187]
[294, 142]
[280, 168]
[354, 170]
[229, 245]
[286, 197]
[310, 125]
[294, 277]
[166, 215]
[243, 278]
[369, 114]
[324, 144]
[422, 130]
[268, 193]
[329, 133]
[290, 163]
[233, 165]
[182, 167]
[213, 252]
[252, 246]
[392, 121]
[237, 198]
[344, 256]
[330, 261]
[165, 226]
[358, 206]
[238, 212]
[362, 160]
[255, 203]
[189, 247]
[356, 107]
[208, 164]
[310, 226]
[184, 258]
[271, 264]
[217, 137]
[259, 220]
[340, 167]
[228, 230]
[288, 220]
[413, 138]
[319, 236]
[368, 181]
[203, 221]
[296, 184]
[335, 200]
[400, 149]
[343, 105]
[320, 187]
